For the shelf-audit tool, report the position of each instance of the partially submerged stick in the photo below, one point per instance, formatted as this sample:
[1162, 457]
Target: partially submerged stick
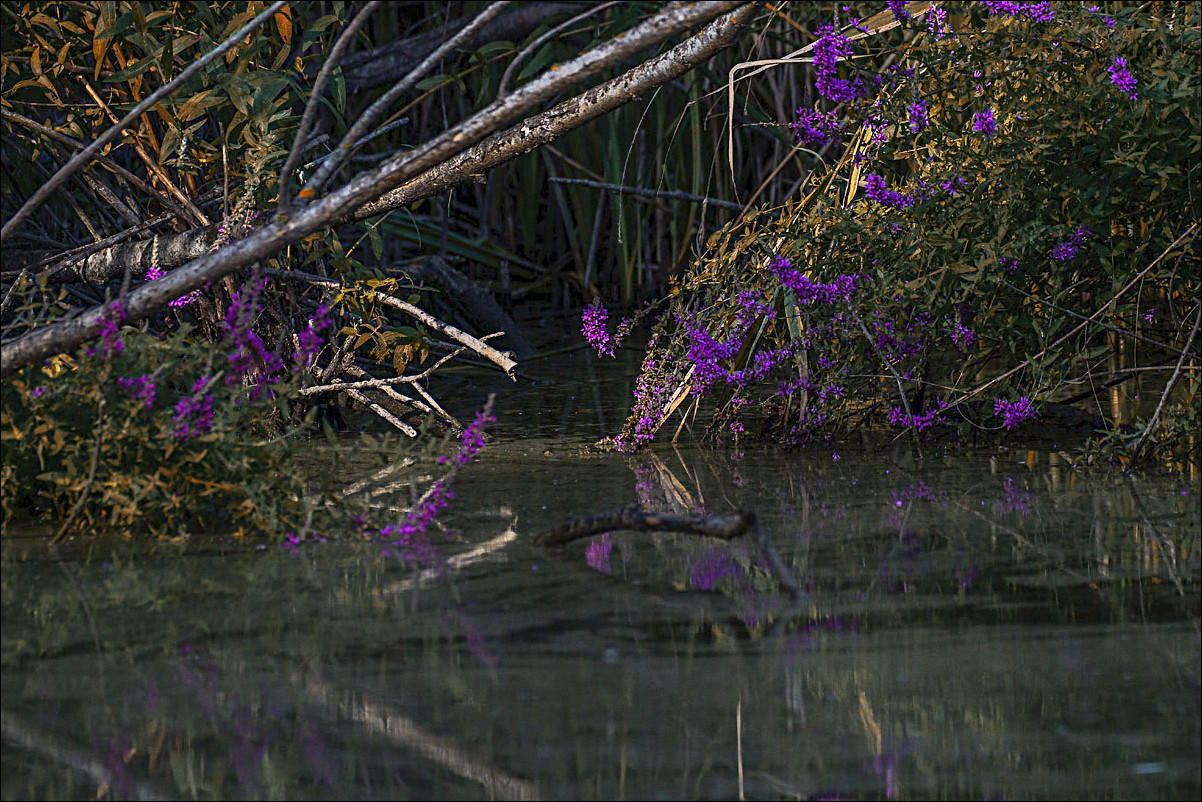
[726, 527]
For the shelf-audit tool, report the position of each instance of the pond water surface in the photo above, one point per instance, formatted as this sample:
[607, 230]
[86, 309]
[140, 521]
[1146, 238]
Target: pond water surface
[985, 623]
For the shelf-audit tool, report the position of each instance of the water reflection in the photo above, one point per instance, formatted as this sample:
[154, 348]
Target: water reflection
[989, 624]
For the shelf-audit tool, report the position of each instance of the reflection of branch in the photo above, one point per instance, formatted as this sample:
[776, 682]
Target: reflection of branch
[726, 527]
[459, 561]
[388, 721]
[20, 733]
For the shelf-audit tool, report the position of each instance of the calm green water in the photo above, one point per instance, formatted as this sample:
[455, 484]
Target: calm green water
[984, 624]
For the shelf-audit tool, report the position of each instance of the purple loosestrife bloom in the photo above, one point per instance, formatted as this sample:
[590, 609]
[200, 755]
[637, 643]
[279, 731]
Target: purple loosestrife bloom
[1120, 77]
[899, 9]
[154, 274]
[937, 23]
[1039, 12]
[111, 344]
[140, 389]
[919, 117]
[831, 48]
[194, 413]
[984, 123]
[249, 351]
[1064, 251]
[1014, 412]
[898, 416]
[816, 128]
[310, 340]
[876, 189]
[808, 291]
[595, 328]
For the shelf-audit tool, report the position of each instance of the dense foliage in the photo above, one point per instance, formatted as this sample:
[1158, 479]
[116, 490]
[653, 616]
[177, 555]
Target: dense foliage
[1014, 199]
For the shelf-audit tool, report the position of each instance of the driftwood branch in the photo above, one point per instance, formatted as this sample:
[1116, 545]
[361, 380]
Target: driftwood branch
[726, 527]
[365, 188]
[632, 519]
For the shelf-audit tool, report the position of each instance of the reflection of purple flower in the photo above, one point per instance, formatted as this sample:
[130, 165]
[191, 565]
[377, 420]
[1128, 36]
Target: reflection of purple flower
[597, 553]
[321, 759]
[712, 566]
[1014, 412]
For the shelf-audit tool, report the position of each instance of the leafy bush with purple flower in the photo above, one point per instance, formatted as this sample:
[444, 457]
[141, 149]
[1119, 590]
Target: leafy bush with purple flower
[924, 273]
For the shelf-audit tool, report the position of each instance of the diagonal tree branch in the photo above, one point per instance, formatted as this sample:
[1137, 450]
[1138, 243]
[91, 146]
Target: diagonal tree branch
[396, 172]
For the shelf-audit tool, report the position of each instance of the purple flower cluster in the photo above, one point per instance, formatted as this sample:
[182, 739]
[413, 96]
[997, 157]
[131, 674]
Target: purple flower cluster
[900, 342]
[1064, 251]
[937, 23]
[1038, 12]
[1011, 265]
[140, 389]
[963, 336]
[898, 7]
[808, 291]
[154, 274]
[831, 48]
[472, 440]
[409, 539]
[705, 353]
[919, 116]
[1014, 412]
[595, 327]
[898, 416]
[194, 413]
[111, 345]
[1120, 77]
[816, 128]
[876, 189]
[310, 341]
[983, 123]
[249, 354]
[650, 398]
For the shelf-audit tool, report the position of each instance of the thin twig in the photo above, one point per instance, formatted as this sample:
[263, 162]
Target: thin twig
[656, 194]
[319, 89]
[1133, 335]
[85, 156]
[355, 137]
[1168, 388]
[383, 413]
